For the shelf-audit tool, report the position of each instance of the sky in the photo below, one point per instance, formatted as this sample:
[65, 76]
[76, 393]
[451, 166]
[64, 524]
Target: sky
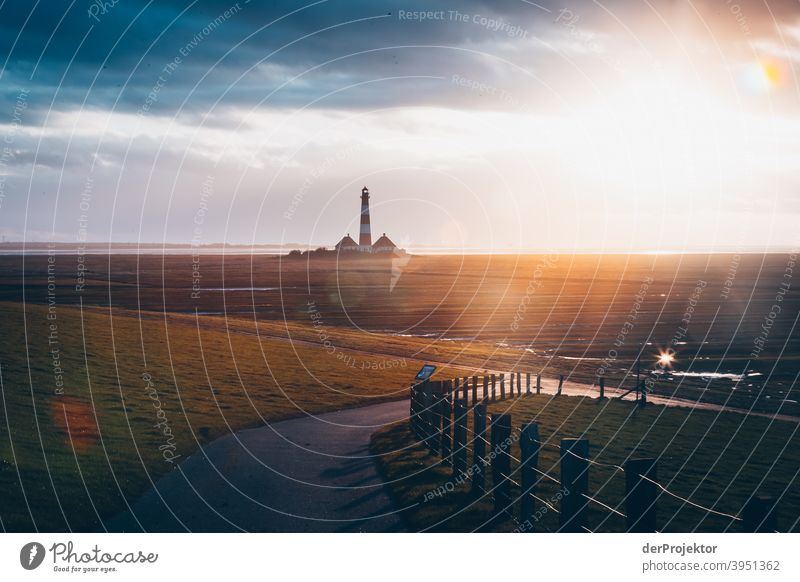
[477, 125]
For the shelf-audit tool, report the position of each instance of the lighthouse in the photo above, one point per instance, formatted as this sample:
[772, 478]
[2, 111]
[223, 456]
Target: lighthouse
[365, 235]
[365, 247]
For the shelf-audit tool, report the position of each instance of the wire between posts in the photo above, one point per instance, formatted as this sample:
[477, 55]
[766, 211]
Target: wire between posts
[690, 502]
[614, 466]
[601, 504]
[590, 461]
[539, 471]
[545, 503]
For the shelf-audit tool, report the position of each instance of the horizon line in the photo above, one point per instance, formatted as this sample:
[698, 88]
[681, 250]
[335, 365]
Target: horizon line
[21, 247]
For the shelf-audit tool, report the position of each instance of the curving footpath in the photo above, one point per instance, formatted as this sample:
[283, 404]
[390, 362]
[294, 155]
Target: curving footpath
[311, 474]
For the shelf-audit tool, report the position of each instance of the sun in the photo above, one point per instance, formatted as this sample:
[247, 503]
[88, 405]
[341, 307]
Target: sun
[665, 359]
[771, 73]
[761, 77]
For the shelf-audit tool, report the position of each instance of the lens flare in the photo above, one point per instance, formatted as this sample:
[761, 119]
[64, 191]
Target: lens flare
[759, 78]
[665, 359]
[772, 73]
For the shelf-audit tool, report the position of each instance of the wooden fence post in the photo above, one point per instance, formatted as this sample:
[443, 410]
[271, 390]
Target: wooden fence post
[501, 461]
[760, 514]
[494, 387]
[474, 390]
[602, 387]
[502, 386]
[447, 416]
[419, 408]
[429, 404]
[511, 384]
[574, 483]
[437, 394]
[641, 493]
[420, 412]
[479, 449]
[460, 438]
[519, 383]
[485, 388]
[412, 412]
[528, 383]
[465, 388]
[538, 383]
[560, 384]
[529, 443]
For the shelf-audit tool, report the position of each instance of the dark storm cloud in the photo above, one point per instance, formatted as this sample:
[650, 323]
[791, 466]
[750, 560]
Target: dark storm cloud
[112, 53]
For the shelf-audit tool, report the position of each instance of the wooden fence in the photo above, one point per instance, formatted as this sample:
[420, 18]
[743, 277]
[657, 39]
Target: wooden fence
[438, 415]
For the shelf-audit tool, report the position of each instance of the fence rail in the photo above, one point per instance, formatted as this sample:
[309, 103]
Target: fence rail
[439, 413]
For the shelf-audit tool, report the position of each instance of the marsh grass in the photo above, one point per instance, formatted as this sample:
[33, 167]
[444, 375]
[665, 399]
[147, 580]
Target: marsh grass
[142, 388]
[715, 460]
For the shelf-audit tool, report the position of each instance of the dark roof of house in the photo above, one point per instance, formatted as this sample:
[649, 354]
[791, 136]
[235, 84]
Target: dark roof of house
[384, 241]
[346, 242]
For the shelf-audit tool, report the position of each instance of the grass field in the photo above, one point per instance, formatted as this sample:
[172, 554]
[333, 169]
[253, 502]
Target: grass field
[145, 368]
[556, 314]
[714, 460]
[138, 393]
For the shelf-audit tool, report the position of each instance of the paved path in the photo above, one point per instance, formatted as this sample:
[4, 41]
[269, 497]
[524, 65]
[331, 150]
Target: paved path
[550, 386]
[312, 474]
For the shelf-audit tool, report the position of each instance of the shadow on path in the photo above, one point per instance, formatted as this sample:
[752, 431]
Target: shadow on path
[263, 480]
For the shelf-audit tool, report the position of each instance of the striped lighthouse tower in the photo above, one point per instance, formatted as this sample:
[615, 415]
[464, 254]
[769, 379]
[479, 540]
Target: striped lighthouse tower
[365, 235]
